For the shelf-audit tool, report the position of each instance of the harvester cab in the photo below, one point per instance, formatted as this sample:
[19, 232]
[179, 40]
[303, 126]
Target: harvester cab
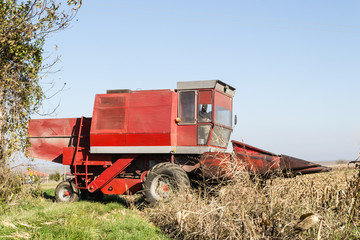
[205, 113]
[193, 119]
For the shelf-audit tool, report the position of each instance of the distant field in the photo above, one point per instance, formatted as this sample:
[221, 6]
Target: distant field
[329, 163]
[51, 184]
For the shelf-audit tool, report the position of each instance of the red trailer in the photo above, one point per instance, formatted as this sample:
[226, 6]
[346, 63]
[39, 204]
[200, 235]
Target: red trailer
[150, 140]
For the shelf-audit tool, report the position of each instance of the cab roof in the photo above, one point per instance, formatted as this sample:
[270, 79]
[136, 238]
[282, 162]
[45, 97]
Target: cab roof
[206, 84]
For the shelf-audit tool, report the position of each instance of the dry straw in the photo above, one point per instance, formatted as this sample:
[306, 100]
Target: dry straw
[316, 206]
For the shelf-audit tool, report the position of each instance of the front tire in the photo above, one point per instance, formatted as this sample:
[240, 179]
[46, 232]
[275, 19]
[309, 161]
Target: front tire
[64, 192]
[163, 180]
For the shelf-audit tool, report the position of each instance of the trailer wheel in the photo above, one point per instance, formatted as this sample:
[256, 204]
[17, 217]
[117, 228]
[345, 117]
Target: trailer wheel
[163, 180]
[64, 193]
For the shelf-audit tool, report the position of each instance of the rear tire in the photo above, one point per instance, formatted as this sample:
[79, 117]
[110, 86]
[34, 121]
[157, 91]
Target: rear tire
[64, 193]
[163, 180]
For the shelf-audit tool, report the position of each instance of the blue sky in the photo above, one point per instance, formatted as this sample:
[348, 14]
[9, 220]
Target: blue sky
[295, 64]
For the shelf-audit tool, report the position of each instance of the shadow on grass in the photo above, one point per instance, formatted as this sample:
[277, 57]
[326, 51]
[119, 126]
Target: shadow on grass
[48, 196]
[128, 201]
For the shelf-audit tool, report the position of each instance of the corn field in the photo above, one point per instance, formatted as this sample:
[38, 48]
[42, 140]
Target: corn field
[316, 206]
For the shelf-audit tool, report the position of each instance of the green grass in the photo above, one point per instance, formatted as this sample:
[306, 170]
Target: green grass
[44, 219]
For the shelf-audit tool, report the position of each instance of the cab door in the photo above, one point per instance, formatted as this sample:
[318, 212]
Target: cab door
[205, 116]
[187, 129]
[195, 111]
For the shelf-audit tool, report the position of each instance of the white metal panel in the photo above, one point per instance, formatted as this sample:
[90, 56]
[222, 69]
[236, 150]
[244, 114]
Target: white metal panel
[155, 149]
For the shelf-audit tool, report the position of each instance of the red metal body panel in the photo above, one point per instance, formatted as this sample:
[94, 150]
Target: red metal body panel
[110, 116]
[150, 112]
[61, 127]
[68, 155]
[173, 123]
[261, 162]
[187, 135]
[48, 137]
[92, 159]
[256, 160]
[49, 149]
[111, 172]
[149, 139]
[222, 100]
[122, 186]
[205, 96]
[147, 117]
[110, 113]
[108, 139]
[296, 165]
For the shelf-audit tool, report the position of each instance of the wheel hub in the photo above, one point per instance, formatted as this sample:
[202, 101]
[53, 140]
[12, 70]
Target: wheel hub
[163, 187]
[65, 194]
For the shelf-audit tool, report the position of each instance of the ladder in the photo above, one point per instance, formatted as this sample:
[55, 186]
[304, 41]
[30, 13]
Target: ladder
[81, 158]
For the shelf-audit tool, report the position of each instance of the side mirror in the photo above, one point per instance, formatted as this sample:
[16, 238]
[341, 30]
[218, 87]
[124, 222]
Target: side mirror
[235, 120]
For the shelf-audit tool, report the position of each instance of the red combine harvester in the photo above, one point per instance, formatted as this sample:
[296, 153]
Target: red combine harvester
[153, 140]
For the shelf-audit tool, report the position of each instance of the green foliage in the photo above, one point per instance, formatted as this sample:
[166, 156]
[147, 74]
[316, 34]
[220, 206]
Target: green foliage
[24, 26]
[14, 187]
[10, 185]
[56, 176]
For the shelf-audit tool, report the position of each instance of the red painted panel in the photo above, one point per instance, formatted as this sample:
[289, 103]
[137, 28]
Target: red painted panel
[52, 127]
[111, 172]
[150, 98]
[68, 155]
[140, 139]
[149, 139]
[120, 186]
[187, 135]
[174, 114]
[223, 100]
[205, 97]
[254, 159]
[49, 149]
[110, 113]
[150, 111]
[108, 139]
[139, 118]
[48, 137]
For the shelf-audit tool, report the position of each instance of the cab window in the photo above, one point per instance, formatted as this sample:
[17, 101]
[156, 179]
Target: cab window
[205, 107]
[223, 106]
[187, 106]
